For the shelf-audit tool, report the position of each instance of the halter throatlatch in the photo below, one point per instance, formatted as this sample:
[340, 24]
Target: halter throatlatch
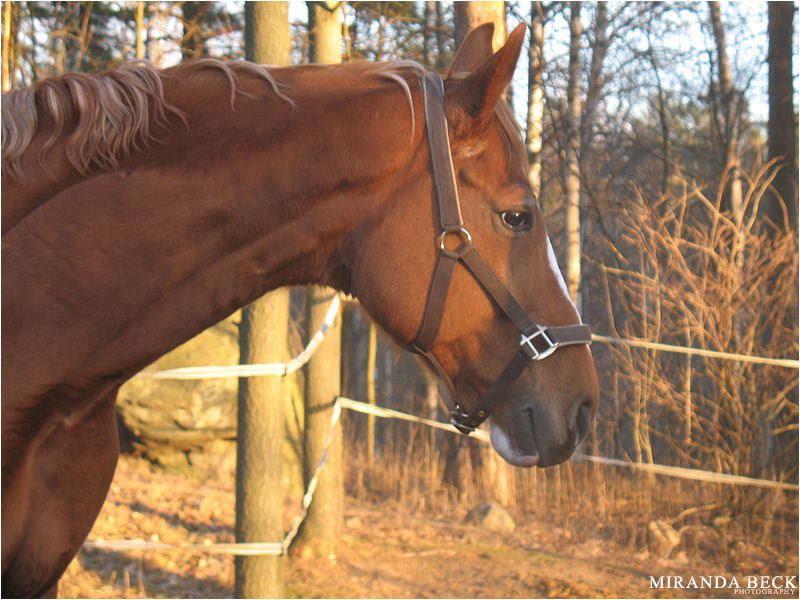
[536, 341]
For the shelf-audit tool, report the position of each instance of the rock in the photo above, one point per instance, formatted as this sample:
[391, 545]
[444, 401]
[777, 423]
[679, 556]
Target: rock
[354, 523]
[165, 415]
[491, 516]
[662, 538]
[700, 538]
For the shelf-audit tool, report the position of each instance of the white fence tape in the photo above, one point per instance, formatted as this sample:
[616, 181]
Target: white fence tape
[681, 472]
[789, 363]
[254, 370]
[387, 413]
[240, 549]
[276, 548]
[312, 484]
[686, 473]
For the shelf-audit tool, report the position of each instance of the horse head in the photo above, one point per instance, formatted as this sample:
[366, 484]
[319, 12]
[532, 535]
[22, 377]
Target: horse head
[502, 307]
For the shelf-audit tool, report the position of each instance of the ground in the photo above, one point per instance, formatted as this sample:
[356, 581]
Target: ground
[385, 552]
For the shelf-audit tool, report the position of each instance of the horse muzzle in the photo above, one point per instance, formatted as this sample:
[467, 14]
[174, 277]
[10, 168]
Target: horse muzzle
[533, 433]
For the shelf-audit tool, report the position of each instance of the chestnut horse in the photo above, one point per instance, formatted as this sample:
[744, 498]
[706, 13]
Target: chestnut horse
[141, 207]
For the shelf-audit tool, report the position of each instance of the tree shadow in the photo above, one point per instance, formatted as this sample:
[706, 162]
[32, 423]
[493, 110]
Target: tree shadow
[174, 520]
[131, 573]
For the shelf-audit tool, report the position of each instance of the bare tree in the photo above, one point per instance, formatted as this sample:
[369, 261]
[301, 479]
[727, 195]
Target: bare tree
[263, 339]
[468, 15]
[594, 93]
[729, 103]
[325, 31]
[572, 168]
[782, 127]
[319, 533]
[535, 123]
[429, 33]
[193, 43]
[140, 6]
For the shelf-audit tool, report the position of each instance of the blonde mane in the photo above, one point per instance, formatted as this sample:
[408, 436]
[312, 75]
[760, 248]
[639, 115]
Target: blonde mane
[105, 116]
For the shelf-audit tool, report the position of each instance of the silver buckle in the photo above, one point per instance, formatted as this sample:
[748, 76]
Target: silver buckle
[541, 332]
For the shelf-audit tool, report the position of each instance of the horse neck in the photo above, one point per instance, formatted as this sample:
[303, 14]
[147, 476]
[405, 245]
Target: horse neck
[307, 166]
[232, 106]
[225, 208]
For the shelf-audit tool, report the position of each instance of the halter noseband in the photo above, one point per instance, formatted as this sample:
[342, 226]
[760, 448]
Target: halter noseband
[536, 341]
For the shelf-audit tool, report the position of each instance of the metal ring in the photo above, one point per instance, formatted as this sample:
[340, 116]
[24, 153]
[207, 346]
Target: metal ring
[463, 234]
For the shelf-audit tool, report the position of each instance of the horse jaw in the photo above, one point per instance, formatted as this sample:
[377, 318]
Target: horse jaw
[502, 444]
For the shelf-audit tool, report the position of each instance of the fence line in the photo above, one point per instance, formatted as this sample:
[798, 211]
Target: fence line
[778, 362]
[680, 472]
[276, 548]
[281, 369]
[234, 548]
[301, 359]
[686, 473]
[254, 370]
[388, 413]
[239, 548]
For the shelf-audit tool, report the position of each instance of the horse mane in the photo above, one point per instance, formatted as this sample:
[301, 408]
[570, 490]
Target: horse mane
[105, 116]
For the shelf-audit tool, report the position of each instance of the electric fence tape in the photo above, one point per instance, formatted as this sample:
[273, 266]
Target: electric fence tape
[789, 363]
[277, 548]
[258, 369]
[239, 548]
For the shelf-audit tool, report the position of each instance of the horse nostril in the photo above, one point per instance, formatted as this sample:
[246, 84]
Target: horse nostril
[583, 419]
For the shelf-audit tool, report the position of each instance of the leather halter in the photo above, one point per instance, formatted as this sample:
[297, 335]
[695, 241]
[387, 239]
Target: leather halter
[536, 341]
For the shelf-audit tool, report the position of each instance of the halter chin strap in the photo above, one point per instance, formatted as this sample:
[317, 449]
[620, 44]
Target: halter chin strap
[536, 341]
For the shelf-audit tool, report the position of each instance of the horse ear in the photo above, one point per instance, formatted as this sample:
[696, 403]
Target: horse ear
[473, 51]
[482, 86]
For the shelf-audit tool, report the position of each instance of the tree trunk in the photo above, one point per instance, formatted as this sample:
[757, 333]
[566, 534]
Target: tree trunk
[140, 29]
[371, 353]
[319, 533]
[595, 91]
[441, 43]
[194, 14]
[259, 457]
[572, 169]
[730, 110]
[782, 129]
[429, 34]
[468, 15]
[663, 117]
[325, 32]
[534, 127]
[461, 453]
[322, 527]
[263, 338]
[8, 64]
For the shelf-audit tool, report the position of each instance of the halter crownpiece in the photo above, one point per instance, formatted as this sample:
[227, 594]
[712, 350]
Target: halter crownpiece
[537, 342]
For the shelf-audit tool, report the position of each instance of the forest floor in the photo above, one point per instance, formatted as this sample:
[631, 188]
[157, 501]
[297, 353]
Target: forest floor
[385, 552]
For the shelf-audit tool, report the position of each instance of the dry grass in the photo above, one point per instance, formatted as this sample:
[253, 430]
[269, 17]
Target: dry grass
[581, 536]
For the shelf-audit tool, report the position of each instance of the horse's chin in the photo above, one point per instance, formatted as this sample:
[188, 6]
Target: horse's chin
[510, 453]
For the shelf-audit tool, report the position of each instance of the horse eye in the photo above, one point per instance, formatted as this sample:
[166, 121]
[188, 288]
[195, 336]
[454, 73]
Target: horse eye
[517, 219]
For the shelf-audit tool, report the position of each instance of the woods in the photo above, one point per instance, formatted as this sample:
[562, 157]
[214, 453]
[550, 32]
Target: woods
[661, 140]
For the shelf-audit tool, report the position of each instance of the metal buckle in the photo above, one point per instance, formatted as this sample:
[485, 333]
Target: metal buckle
[527, 341]
[459, 419]
[463, 235]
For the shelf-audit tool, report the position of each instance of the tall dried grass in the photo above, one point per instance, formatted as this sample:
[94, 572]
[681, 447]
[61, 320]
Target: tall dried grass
[684, 271]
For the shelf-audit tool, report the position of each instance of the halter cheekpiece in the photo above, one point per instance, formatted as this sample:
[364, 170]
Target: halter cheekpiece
[536, 341]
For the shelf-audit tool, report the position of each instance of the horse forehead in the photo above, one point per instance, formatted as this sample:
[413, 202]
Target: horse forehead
[492, 158]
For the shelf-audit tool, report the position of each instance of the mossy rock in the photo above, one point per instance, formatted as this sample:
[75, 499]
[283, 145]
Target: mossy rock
[185, 413]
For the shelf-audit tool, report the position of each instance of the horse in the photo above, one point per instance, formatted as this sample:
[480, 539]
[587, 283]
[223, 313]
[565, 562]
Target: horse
[141, 206]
